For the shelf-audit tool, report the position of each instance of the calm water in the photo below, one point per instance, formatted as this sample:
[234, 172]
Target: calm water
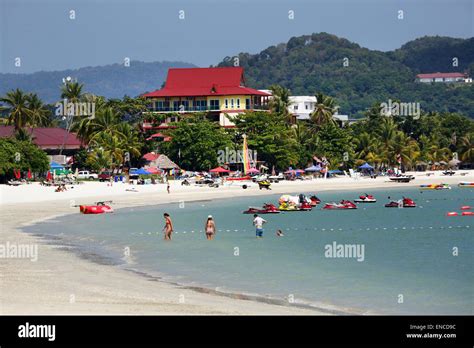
[407, 251]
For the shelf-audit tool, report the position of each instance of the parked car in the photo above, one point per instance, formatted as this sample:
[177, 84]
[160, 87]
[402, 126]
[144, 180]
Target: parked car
[104, 176]
[85, 174]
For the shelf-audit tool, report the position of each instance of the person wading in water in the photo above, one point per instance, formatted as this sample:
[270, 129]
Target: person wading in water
[168, 229]
[210, 228]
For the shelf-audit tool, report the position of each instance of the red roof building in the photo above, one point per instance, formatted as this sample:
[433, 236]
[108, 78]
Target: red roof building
[221, 92]
[48, 139]
[441, 77]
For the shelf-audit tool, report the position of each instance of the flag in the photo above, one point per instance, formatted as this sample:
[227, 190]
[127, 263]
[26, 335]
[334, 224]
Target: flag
[245, 155]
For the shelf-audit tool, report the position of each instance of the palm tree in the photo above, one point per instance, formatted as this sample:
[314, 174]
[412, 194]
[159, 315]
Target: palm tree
[39, 114]
[72, 91]
[467, 148]
[280, 102]
[386, 134]
[324, 109]
[16, 102]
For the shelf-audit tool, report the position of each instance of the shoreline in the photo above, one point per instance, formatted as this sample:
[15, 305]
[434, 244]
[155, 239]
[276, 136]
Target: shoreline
[106, 289]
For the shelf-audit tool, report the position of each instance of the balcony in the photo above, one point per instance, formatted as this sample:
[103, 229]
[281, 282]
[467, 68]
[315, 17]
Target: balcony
[186, 109]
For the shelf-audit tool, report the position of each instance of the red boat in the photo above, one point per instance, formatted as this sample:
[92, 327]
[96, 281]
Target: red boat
[405, 203]
[268, 208]
[243, 178]
[365, 199]
[344, 204]
[314, 200]
[99, 208]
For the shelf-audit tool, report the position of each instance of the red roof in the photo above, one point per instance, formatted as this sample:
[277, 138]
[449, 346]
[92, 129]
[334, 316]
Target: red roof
[439, 75]
[194, 82]
[47, 138]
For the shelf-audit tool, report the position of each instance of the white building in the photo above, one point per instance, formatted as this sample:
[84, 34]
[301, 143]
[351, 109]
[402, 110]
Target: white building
[302, 106]
[443, 78]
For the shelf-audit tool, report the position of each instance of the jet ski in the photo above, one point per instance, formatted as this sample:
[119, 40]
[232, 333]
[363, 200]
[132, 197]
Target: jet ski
[435, 187]
[305, 206]
[365, 199]
[266, 209]
[314, 200]
[404, 203]
[344, 204]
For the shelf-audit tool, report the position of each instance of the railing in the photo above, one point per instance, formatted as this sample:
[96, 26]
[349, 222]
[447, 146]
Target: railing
[204, 108]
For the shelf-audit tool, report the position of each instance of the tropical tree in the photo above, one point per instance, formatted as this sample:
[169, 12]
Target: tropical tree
[324, 109]
[72, 91]
[39, 113]
[280, 102]
[466, 148]
[16, 104]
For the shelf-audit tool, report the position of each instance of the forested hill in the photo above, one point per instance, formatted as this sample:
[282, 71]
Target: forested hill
[312, 63]
[111, 81]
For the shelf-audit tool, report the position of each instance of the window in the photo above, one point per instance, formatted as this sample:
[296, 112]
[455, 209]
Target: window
[247, 103]
[227, 103]
[232, 103]
[295, 107]
[306, 106]
[214, 104]
[200, 105]
[238, 103]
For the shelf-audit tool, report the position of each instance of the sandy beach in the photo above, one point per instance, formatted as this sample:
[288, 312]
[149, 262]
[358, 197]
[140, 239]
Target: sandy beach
[61, 282]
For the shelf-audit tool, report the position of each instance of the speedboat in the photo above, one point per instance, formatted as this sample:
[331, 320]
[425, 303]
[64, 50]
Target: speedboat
[98, 208]
[404, 203]
[266, 209]
[402, 178]
[314, 200]
[365, 199]
[344, 204]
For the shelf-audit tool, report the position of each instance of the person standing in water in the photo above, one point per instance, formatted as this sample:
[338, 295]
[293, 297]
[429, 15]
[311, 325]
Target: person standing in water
[168, 229]
[168, 186]
[258, 222]
[210, 228]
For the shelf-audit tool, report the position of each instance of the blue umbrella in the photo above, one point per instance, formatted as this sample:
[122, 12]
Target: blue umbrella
[335, 171]
[141, 171]
[55, 165]
[313, 169]
[366, 166]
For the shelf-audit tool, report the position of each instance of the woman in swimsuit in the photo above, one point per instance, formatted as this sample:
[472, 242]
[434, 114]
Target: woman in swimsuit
[210, 228]
[168, 229]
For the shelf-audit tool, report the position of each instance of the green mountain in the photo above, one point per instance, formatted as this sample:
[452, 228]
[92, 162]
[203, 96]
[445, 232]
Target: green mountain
[312, 63]
[111, 81]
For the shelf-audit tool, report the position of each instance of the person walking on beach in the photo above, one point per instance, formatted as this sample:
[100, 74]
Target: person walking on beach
[210, 228]
[168, 229]
[168, 186]
[258, 222]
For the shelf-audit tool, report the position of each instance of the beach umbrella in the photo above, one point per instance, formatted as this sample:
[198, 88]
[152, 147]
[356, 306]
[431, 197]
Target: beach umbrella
[313, 169]
[299, 171]
[55, 165]
[141, 171]
[29, 176]
[253, 171]
[219, 170]
[366, 166]
[49, 176]
[153, 170]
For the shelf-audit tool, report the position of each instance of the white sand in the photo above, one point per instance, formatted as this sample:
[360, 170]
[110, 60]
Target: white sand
[62, 283]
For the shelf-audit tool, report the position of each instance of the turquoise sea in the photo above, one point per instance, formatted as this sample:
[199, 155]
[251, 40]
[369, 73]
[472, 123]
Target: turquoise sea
[408, 265]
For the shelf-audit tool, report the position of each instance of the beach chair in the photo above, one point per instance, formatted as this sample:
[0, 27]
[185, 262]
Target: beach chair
[354, 175]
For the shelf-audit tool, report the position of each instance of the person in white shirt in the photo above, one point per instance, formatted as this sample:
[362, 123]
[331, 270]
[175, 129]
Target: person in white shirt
[258, 222]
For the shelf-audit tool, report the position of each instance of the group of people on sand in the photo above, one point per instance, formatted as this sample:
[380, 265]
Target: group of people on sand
[61, 188]
[210, 227]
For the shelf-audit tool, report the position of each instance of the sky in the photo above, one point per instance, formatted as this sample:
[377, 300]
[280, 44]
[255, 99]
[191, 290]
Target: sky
[45, 37]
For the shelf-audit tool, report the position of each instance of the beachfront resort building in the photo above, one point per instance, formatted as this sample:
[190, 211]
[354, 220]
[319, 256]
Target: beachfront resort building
[220, 92]
[438, 77]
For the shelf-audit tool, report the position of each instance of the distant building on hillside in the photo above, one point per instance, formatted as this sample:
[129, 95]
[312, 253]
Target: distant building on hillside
[220, 92]
[443, 78]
